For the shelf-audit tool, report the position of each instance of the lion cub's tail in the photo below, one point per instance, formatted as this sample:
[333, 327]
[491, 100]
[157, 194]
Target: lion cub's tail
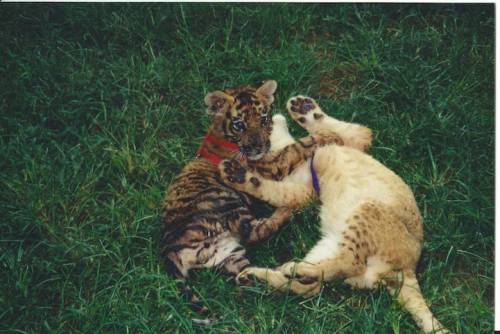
[411, 298]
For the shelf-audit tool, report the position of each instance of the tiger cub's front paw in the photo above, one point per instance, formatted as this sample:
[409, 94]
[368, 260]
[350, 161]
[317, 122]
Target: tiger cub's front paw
[232, 171]
[235, 174]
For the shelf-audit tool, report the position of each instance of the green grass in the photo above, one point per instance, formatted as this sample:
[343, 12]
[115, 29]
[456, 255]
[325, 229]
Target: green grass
[102, 104]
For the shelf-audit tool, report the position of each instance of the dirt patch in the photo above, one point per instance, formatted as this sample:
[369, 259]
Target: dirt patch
[340, 81]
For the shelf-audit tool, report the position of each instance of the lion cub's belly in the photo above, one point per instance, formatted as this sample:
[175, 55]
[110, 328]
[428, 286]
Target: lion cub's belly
[350, 178]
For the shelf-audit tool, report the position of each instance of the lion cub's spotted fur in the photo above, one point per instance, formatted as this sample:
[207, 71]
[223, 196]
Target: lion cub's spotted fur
[371, 226]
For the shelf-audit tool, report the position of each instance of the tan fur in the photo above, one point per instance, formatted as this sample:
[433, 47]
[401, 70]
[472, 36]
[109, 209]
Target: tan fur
[371, 226]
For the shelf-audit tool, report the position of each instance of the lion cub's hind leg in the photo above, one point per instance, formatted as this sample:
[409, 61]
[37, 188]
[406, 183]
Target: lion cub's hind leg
[276, 279]
[376, 269]
[343, 264]
[306, 111]
[351, 252]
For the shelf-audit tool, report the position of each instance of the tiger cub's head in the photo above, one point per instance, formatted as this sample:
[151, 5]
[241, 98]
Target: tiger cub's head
[242, 115]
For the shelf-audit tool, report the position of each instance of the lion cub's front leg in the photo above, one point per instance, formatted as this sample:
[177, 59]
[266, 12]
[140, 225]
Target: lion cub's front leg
[308, 114]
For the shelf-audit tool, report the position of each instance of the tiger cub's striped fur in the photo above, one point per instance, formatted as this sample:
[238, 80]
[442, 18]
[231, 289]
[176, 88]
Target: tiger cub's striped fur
[205, 223]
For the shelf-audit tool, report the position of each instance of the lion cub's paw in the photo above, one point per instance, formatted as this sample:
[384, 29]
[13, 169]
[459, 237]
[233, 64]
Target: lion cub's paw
[244, 278]
[304, 272]
[304, 110]
[250, 274]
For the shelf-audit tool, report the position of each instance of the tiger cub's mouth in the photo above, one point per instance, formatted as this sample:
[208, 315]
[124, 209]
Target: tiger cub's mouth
[255, 157]
[258, 153]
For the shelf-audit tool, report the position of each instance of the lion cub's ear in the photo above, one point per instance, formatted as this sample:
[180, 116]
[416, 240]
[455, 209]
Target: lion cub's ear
[267, 90]
[217, 102]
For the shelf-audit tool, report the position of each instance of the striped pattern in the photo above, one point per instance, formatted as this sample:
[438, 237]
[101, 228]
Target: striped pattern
[204, 222]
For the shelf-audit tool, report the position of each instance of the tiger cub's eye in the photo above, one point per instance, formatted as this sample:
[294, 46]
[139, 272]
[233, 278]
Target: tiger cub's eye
[239, 126]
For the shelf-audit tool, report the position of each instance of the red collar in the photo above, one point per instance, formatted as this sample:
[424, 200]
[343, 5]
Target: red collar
[214, 158]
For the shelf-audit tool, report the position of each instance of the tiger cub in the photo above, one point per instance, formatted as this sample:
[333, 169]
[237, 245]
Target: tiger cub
[371, 226]
[205, 223]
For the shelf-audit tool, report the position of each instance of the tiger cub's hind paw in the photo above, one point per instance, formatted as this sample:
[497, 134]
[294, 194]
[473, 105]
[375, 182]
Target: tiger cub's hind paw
[304, 110]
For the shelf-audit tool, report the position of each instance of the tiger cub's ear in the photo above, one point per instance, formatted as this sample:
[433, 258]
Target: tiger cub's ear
[217, 102]
[267, 90]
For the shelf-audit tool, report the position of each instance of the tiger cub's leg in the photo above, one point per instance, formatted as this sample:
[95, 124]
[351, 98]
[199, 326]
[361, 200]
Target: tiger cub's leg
[230, 257]
[260, 229]
[306, 111]
[276, 193]
[277, 165]
[274, 167]
[235, 262]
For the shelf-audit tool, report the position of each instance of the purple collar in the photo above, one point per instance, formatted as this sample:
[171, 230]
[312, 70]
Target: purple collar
[315, 180]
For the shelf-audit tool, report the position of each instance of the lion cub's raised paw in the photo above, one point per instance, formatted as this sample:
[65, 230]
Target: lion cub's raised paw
[304, 110]
[307, 112]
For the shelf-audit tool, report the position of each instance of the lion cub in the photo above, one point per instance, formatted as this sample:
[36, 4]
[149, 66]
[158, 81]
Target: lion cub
[370, 224]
